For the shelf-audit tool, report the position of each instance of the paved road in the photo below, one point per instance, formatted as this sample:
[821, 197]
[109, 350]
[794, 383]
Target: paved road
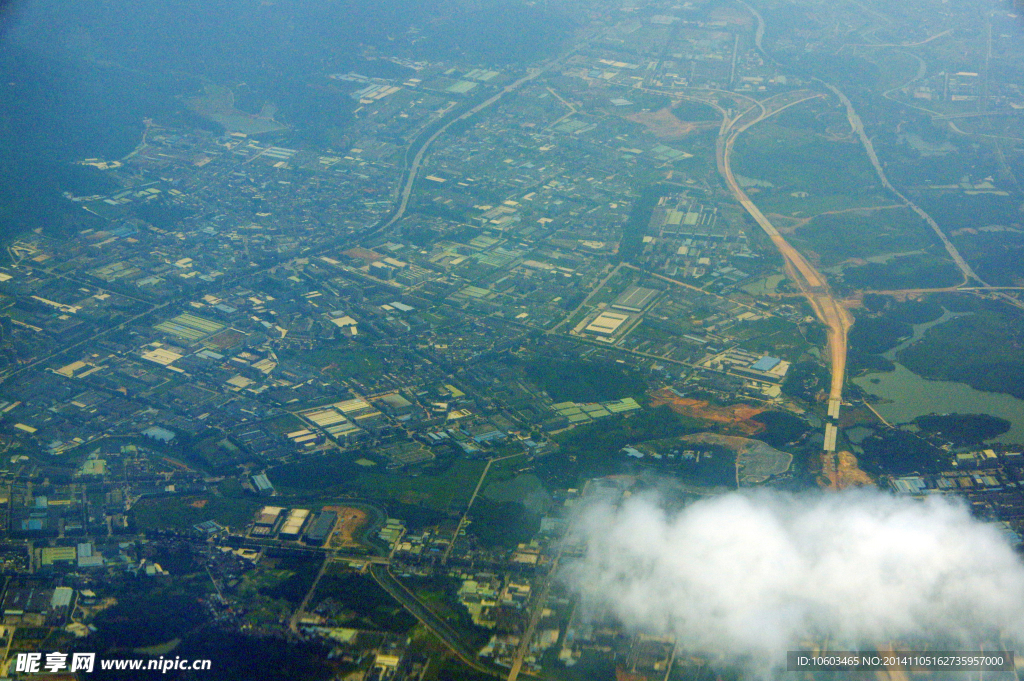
[858, 127]
[293, 623]
[382, 575]
[417, 160]
[469, 505]
[604, 282]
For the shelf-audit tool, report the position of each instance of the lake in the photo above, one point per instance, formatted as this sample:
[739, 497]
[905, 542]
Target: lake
[909, 395]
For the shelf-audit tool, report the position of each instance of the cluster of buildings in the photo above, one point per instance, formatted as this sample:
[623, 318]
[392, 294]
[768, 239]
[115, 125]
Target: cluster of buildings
[235, 312]
[990, 480]
[291, 524]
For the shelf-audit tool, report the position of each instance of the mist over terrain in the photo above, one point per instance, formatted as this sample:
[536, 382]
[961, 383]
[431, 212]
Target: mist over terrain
[77, 79]
[755, 574]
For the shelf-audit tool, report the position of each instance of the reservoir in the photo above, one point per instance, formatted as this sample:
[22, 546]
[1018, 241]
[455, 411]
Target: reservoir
[909, 395]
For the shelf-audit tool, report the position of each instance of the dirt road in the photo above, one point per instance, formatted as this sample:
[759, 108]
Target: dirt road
[810, 282]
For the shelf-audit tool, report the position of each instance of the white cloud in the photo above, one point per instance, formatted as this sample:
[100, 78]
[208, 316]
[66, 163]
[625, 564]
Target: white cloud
[754, 574]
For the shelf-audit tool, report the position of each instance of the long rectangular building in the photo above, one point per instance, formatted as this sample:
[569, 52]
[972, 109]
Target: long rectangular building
[607, 323]
[321, 528]
[634, 299]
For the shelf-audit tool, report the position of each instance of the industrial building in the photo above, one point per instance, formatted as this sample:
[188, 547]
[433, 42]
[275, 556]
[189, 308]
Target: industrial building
[262, 485]
[266, 520]
[321, 528]
[292, 527]
[634, 299]
[607, 323]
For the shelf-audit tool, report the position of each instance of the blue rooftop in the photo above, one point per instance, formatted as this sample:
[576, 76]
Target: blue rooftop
[765, 364]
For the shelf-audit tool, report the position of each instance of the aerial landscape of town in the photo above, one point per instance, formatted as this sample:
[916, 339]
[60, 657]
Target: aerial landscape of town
[316, 381]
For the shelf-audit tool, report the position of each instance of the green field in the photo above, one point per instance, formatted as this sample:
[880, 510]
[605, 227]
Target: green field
[182, 512]
[442, 491]
[342, 361]
[772, 335]
[440, 486]
[796, 160]
[862, 234]
[784, 203]
[908, 271]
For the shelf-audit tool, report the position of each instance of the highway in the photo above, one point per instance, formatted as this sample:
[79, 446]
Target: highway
[810, 282]
[858, 128]
[417, 161]
[382, 575]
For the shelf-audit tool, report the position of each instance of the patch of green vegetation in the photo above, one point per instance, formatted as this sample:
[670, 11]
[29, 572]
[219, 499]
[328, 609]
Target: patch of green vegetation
[862, 234]
[695, 112]
[263, 579]
[774, 335]
[795, 160]
[781, 428]
[960, 210]
[915, 311]
[633, 231]
[594, 450]
[964, 429]
[149, 613]
[895, 68]
[354, 600]
[231, 487]
[764, 286]
[286, 423]
[844, 68]
[805, 118]
[454, 669]
[182, 512]
[805, 380]
[415, 517]
[502, 524]
[298, 575]
[862, 362]
[784, 203]
[341, 360]
[161, 214]
[328, 473]
[443, 489]
[875, 335]
[440, 485]
[909, 271]
[997, 257]
[897, 452]
[440, 594]
[435, 320]
[659, 330]
[981, 350]
[584, 381]
[277, 660]
[211, 451]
